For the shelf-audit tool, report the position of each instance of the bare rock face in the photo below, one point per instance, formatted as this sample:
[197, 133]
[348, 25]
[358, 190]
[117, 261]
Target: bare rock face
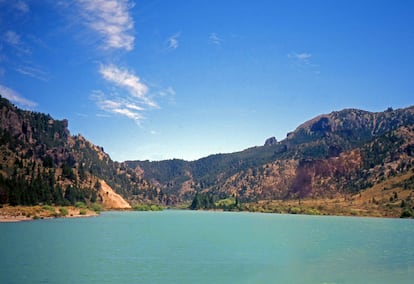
[270, 141]
[10, 121]
[110, 199]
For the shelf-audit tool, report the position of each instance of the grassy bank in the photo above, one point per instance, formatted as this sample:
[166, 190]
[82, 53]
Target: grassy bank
[25, 213]
[378, 202]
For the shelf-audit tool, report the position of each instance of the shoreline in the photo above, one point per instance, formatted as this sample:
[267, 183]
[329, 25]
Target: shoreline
[14, 214]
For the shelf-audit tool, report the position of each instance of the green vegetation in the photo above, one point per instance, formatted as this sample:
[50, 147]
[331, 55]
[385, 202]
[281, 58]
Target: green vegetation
[207, 201]
[96, 207]
[40, 188]
[147, 207]
[63, 211]
[407, 213]
[203, 201]
[407, 206]
[82, 211]
[49, 208]
[80, 204]
[295, 210]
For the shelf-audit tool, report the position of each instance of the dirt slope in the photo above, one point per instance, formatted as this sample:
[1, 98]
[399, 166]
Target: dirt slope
[110, 199]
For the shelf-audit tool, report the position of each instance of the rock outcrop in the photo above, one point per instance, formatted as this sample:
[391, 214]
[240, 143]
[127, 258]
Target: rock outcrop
[270, 141]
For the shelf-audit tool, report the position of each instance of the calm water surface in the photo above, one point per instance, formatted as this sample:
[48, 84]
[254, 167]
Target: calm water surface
[207, 247]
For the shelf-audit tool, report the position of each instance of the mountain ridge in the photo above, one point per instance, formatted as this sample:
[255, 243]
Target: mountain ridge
[343, 152]
[333, 155]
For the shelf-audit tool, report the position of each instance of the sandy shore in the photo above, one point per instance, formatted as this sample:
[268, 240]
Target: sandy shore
[27, 213]
[9, 219]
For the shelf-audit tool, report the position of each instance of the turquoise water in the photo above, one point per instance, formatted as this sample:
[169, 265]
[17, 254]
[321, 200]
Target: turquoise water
[207, 247]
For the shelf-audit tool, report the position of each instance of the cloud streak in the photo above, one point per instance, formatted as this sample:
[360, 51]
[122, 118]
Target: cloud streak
[119, 106]
[11, 37]
[15, 97]
[127, 80]
[214, 39]
[303, 58]
[22, 7]
[33, 72]
[14, 40]
[129, 98]
[167, 92]
[173, 41]
[111, 20]
[303, 61]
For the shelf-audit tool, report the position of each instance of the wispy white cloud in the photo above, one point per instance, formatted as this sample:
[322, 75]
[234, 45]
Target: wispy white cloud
[84, 115]
[127, 80]
[103, 115]
[111, 20]
[16, 6]
[173, 41]
[11, 37]
[22, 6]
[23, 59]
[14, 40]
[167, 92]
[301, 57]
[214, 39]
[15, 97]
[118, 105]
[133, 106]
[304, 61]
[130, 98]
[33, 72]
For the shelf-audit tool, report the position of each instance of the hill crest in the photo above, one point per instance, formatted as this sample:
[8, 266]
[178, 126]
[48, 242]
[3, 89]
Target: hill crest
[342, 153]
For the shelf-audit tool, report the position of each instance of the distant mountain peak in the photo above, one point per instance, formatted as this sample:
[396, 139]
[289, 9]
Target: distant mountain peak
[270, 141]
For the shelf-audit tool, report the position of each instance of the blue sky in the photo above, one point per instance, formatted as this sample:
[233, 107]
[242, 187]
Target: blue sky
[185, 79]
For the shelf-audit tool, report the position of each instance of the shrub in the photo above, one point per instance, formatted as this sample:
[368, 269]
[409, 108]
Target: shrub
[156, 208]
[96, 207]
[82, 211]
[49, 208]
[312, 211]
[63, 211]
[407, 213]
[141, 207]
[295, 210]
[80, 204]
[146, 207]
